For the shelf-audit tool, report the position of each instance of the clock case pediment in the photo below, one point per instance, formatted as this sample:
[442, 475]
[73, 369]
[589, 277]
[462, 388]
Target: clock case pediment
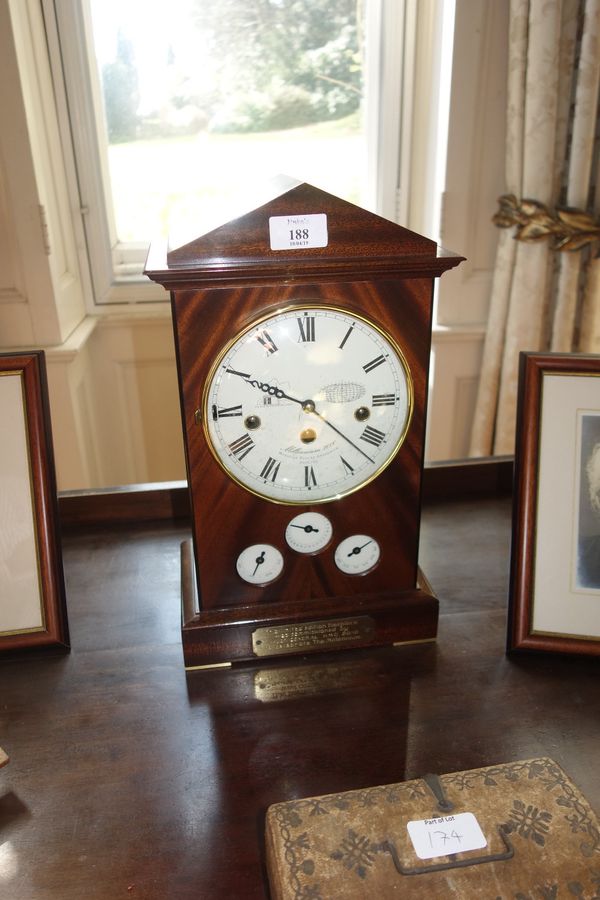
[359, 243]
[221, 282]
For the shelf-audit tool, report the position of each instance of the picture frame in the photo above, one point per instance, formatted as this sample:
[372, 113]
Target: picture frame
[554, 600]
[32, 592]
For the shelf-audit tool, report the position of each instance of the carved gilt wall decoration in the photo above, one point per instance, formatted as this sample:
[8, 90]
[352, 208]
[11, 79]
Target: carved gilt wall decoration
[566, 228]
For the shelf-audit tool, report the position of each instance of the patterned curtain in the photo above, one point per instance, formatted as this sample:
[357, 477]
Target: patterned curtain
[546, 287]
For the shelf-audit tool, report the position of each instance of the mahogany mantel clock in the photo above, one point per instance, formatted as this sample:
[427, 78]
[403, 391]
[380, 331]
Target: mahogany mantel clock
[302, 333]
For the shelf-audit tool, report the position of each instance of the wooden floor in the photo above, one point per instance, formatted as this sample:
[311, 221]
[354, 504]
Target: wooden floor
[128, 779]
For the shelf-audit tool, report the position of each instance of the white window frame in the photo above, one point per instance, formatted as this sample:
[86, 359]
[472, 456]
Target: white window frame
[115, 269]
[401, 142]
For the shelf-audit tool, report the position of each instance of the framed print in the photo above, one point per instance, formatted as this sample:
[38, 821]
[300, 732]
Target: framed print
[32, 595]
[554, 600]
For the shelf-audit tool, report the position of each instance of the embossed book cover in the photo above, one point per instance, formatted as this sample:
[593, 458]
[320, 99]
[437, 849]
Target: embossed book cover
[517, 830]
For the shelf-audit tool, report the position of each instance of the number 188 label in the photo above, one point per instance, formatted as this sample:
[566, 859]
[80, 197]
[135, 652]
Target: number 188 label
[298, 232]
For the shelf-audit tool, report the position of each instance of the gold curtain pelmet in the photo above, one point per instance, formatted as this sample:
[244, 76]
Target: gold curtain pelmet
[566, 228]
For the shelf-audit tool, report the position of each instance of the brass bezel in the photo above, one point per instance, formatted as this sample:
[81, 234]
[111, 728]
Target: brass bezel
[295, 307]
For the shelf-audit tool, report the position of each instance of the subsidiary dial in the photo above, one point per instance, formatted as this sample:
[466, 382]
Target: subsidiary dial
[259, 564]
[308, 533]
[357, 554]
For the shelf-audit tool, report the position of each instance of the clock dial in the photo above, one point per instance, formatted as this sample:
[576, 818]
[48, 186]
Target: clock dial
[308, 404]
[309, 532]
[357, 554]
[259, 564]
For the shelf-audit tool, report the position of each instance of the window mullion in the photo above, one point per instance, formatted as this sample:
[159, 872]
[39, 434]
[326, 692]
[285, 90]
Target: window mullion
[87, 127]
[385, 82]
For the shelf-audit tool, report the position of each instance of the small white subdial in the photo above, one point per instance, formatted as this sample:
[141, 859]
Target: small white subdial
[308, 532]
[357, 554]
[259, 564]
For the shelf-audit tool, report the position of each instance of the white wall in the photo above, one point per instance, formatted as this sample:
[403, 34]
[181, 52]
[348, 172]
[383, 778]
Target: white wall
[115, 404]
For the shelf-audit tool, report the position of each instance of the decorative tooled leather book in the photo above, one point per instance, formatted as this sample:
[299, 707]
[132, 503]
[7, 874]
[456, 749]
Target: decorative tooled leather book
[539, 839]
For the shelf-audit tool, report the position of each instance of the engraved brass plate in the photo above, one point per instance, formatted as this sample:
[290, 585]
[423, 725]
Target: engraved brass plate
[324, 635]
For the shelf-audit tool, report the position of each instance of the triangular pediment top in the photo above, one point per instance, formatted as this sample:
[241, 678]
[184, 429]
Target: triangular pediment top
[351, 233]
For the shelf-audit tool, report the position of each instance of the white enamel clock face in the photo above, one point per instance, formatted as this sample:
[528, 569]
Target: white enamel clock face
[307, 405]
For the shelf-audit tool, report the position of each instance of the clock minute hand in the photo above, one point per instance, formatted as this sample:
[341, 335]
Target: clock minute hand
[341, 434]
[259, 561]
[356, 550]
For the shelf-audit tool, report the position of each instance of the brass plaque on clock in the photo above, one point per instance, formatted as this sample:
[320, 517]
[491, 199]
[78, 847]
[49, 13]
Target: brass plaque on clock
[306, 636]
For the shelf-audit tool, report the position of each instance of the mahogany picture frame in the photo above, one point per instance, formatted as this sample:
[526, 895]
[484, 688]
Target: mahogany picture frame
[33, 610]
[554, 599]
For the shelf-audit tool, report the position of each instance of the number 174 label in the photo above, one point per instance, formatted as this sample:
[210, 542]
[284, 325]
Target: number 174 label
[446, 835]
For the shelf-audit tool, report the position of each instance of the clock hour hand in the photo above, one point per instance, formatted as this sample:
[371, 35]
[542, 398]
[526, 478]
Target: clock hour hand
[273, 391]
[270, 389]
[244, 375]
[307, 528]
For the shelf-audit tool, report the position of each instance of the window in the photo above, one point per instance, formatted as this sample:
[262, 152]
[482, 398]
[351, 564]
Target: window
[175, 108]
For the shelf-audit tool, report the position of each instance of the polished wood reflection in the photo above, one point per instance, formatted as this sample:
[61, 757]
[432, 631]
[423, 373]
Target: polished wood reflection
[128, 778]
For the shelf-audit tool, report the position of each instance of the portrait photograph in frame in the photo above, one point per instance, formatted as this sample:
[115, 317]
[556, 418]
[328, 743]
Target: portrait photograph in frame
[554, 602]
[32, 593]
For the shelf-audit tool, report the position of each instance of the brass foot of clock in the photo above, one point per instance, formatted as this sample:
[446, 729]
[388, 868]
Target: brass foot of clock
[302, 334]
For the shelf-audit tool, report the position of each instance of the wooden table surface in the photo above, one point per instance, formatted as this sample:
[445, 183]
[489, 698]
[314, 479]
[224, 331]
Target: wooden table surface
[129, 779]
